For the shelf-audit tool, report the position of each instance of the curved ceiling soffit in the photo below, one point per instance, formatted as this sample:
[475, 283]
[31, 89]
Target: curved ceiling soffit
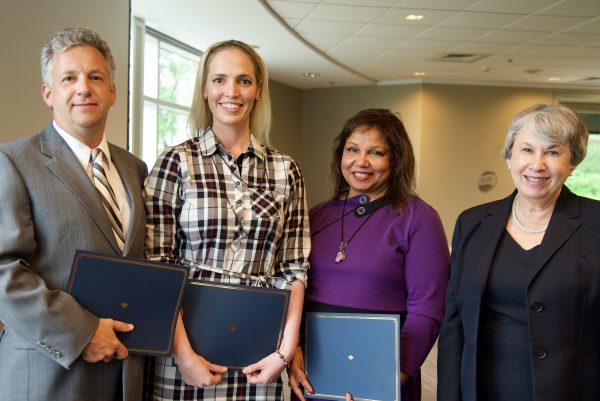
[320, 52]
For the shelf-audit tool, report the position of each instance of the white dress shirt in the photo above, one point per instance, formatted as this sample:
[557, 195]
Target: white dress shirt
[82, 152]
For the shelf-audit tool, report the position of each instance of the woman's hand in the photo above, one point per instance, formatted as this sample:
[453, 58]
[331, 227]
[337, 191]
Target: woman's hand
[265, 371]
[297, 376]
[197, 371]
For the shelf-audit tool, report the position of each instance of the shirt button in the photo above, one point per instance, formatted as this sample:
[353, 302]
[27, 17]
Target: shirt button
[237, 183]
[360, 210]
[537, 307]
[540, 353]
[363, 199]
[239, 201]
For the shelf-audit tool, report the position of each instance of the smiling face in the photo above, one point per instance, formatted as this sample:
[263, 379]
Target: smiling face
[80, 93]
[366, 163]
[231, 89]
[538, 169]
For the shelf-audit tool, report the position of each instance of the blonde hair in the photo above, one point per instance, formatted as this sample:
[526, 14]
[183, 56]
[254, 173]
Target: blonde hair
[260, 117]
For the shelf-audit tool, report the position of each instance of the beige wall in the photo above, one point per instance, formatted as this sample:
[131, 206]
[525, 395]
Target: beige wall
[287, 119]
[463, 133]
[457, 131]
[24, 26]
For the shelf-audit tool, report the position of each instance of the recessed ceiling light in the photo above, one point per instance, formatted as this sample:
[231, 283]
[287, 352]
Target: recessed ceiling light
[311, 74]
[553, 79]
[419, 74]
[414, 17]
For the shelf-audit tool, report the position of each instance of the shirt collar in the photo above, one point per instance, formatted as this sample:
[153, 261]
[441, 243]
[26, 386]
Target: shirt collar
[81, 150]
[209, 145]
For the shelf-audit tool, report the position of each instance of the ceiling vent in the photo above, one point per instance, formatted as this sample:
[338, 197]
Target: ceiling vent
[461, 57]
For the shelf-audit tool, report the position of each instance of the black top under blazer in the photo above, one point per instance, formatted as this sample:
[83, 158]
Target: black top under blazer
[563, 300]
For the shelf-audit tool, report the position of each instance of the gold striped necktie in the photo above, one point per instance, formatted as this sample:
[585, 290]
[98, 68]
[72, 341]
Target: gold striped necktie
[109, 200]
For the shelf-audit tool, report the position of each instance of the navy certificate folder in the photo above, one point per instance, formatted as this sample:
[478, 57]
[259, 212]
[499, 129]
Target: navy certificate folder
[144, 293]
[234, 325]
[352, 352]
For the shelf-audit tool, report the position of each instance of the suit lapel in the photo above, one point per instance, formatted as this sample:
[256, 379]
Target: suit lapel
[562, 226]
[492, 229]
[131, 183]
[64, 165]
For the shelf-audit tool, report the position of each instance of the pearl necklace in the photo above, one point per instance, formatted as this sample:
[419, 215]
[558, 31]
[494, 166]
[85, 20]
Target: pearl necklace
[518, 223]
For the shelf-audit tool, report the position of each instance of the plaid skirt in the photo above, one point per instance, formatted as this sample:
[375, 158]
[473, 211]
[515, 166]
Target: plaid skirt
[163, 382]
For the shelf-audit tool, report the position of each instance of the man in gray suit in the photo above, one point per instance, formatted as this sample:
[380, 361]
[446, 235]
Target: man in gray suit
[50, 205]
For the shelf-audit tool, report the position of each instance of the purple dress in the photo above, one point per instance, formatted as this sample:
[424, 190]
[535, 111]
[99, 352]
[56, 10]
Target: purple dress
[395, 262]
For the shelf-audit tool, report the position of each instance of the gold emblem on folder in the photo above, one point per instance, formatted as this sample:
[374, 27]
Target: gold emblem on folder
[231, 328]
[124, 305]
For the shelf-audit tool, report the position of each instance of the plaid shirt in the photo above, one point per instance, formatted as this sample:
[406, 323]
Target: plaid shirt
[229, 225]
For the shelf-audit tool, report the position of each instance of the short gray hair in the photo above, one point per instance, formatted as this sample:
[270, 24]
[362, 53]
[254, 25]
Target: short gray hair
[552, 124]
[66, 39]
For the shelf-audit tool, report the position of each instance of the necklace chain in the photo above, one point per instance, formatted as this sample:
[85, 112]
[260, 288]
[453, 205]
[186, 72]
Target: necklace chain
[341, 253]
[519, 224]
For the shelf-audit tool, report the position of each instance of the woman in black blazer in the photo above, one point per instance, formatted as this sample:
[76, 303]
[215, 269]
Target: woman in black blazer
[523, 304]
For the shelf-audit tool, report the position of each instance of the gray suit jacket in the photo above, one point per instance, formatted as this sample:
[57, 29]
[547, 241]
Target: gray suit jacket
[49, 208]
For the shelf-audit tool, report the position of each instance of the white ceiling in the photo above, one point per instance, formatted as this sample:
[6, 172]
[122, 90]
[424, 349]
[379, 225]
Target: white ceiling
[368, 42]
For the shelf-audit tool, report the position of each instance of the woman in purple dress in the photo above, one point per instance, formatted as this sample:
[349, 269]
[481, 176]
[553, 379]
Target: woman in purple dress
[376, 246]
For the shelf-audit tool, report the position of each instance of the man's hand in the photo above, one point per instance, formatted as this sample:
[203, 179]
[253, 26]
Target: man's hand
[104, 345]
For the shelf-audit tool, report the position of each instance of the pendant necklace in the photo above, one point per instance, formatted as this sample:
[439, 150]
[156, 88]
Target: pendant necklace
[341, 253]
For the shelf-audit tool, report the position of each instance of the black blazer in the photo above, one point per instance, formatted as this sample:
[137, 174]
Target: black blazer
[563, 298]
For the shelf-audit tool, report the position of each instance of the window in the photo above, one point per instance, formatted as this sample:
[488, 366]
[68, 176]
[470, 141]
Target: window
[585, 180]
[167, 86]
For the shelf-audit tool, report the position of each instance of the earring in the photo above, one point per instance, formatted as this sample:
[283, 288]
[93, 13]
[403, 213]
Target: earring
[205, 97]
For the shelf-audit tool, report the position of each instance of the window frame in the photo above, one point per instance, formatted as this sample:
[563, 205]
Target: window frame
[137, 96]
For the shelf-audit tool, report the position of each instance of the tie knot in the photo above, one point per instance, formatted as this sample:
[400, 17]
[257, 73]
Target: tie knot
[97, 155]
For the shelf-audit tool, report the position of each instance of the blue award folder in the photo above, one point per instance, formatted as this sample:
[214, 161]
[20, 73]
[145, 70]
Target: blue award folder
[234, 325]
[144, 293]
[352, 352]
